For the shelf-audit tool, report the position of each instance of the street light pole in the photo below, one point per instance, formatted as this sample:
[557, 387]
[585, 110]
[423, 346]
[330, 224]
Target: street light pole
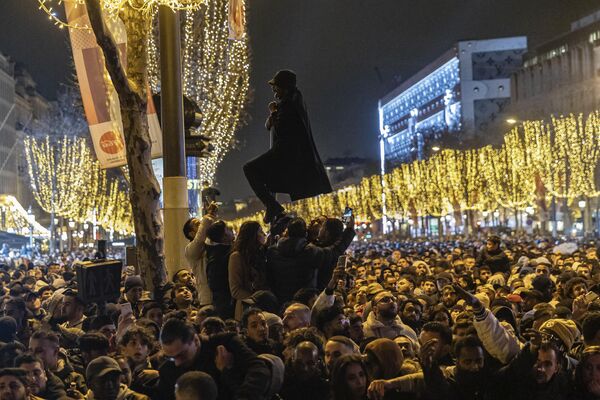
[175, 200]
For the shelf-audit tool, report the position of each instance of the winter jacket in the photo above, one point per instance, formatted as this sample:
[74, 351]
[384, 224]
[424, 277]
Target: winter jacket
[67, 374]
[496, 260]
[244, 279]
[375, 328]
[55, 389]
[497, 340]
[522, 380]
[292, 263]
[195, 254]
[217, 260]
[247, 379]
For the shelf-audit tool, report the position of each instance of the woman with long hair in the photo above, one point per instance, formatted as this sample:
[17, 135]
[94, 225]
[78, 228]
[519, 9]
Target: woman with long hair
[349, 378]
[247, 264]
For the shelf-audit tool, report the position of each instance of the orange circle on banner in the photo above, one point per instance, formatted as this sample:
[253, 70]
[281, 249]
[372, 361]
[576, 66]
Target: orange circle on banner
[111, 143]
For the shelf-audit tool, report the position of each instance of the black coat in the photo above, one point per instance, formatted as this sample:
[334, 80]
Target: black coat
[293, 262]
[496, 260]
[297, 168]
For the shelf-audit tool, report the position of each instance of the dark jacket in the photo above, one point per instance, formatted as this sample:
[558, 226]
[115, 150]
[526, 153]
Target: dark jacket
[68, 375]
[292, 263]
[268, 347]
[247, 379]
[55, 389]
[217, 260]
[298, 169]
[519, 372]
[496, 260]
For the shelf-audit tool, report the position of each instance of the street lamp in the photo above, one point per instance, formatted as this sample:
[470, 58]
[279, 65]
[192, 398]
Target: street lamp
[581, 204]
[435, 148]
[511, 121]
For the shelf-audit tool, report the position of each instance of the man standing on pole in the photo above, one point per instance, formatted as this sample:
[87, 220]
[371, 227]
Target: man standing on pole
[292, 165]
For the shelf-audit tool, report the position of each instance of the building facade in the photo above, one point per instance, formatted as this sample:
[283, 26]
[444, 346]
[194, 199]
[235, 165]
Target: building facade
[21, 108]
[460, 94]
[561, 76]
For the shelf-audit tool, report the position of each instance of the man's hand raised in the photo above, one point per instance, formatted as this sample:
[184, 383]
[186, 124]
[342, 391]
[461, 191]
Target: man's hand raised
[469, 298]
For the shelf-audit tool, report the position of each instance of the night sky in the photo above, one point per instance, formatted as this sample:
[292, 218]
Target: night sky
[335, 46]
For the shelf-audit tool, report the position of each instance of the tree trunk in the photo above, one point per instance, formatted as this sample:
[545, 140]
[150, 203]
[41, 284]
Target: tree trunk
[144, 192]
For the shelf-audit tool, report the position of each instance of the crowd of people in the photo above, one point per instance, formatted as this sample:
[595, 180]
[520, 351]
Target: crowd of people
[305, 312]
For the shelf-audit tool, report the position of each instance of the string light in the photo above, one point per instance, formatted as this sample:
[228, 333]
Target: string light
[66, 180]
[563, 154]
[114, 7]
[216, 75]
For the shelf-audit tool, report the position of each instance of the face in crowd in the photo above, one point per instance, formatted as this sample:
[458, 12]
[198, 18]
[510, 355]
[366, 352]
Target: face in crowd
[257, 329]
[12, 388]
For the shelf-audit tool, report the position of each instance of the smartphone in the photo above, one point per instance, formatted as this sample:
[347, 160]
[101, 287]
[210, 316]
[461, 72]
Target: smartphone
[126, 309]
[347, 215]
[590, 297]
[342, 261]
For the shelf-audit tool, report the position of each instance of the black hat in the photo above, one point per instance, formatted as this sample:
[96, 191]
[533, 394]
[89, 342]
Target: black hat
[133, 282]
[284, 78]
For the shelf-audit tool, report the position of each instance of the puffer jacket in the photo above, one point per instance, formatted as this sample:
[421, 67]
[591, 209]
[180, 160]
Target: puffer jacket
[377, 329]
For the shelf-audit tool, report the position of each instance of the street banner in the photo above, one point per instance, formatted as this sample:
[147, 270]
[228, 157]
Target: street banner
[237, 20]
[100, 99]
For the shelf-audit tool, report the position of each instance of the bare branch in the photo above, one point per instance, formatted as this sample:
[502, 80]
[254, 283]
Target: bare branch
[109, 48]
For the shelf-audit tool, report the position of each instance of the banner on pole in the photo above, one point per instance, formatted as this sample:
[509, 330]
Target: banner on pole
[100, 100]
[237, 20]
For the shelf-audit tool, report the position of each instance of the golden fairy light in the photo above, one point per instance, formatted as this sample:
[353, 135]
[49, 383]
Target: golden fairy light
[565, 154]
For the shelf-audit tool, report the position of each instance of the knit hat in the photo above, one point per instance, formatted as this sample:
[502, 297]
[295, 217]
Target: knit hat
[133, 282]
[565, 329]
[542, 261]
[543, 310]
[101, 366]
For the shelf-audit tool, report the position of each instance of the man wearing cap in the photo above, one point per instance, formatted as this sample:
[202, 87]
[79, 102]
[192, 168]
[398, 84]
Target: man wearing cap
[103, 375]
[292, 165]
[563, 333]
[132, 293]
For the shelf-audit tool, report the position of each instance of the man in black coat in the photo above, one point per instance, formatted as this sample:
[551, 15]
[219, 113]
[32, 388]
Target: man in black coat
[293, 262]
[292, 165]
[494, 257]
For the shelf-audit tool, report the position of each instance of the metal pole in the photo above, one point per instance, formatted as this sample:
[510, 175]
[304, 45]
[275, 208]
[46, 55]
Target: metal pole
[175, 197]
